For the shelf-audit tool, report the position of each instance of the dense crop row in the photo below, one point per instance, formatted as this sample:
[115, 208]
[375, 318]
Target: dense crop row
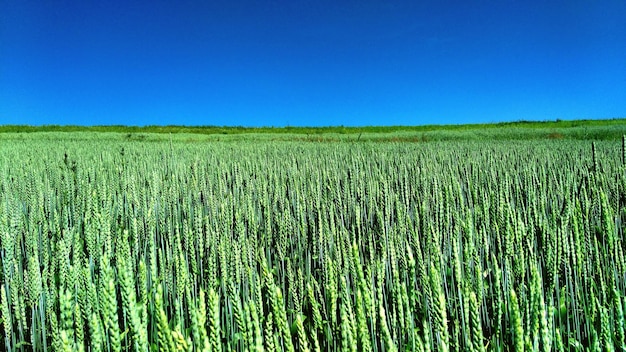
[280, 246]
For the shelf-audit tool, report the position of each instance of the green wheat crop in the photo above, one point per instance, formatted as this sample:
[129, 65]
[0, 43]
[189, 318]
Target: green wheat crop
[258, 245]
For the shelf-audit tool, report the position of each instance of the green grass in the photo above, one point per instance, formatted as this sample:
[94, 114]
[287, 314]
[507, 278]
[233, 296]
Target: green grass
[611, 129]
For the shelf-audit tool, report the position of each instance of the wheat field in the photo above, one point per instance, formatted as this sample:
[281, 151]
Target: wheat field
[128, 245]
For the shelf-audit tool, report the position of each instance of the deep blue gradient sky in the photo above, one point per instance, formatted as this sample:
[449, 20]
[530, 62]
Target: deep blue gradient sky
[306, 62]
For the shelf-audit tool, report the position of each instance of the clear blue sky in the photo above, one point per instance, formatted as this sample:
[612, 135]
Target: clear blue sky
[277, 63]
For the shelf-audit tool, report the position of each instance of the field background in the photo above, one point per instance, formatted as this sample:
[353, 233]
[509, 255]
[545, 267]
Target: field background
[612, 129]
